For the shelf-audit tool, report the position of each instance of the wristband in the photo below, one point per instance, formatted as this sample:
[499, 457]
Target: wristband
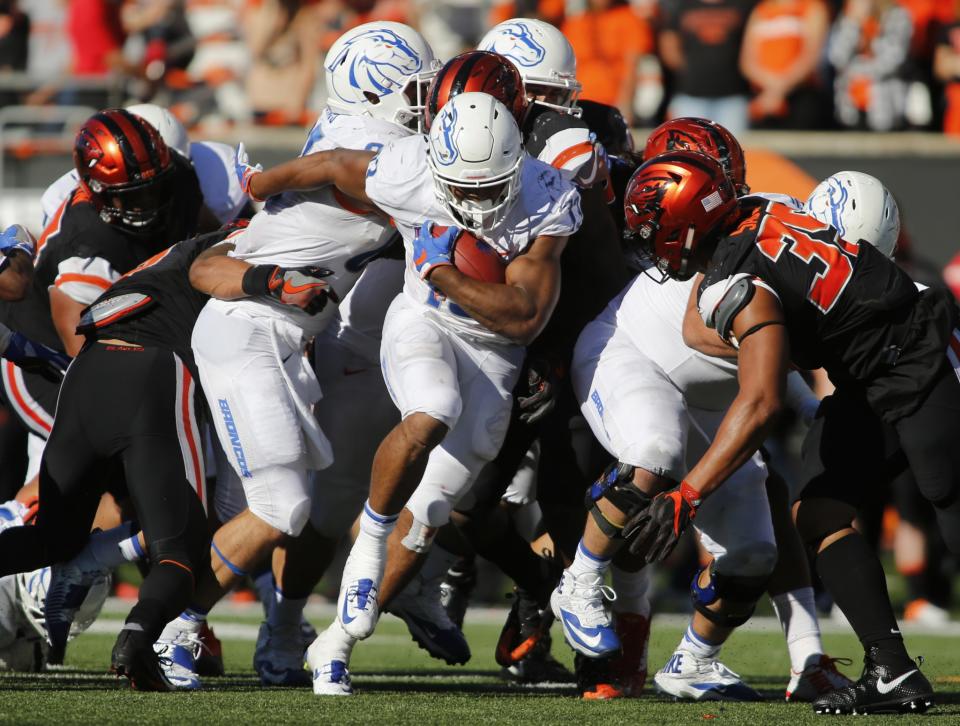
[690, 495]
[256, 280]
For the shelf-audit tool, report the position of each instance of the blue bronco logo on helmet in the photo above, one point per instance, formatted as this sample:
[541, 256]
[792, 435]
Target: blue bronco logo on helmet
[380, 65]
[515, 41]
[837, 196]
[444, 150]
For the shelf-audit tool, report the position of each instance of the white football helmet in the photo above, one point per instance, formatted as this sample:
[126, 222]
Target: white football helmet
[166, 124]
[543, 56]
[476, 156]
[381, 70]
[860, 207]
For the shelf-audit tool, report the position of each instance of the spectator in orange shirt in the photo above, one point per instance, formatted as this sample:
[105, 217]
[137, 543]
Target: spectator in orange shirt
[608, 40]
[551, 11]
[782, 45]
[946, 69]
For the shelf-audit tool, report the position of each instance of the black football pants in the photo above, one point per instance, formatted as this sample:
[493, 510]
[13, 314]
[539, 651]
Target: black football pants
[125, 414]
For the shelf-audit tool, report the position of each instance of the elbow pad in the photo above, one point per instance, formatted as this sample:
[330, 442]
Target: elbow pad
[720, 303]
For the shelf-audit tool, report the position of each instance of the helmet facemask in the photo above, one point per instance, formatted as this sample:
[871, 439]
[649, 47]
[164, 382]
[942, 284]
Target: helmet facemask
[557, 92]
[478, 204]
[138, 208]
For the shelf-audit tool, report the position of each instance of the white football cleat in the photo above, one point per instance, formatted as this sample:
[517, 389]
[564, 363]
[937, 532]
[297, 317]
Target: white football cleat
[820, 676]
[328, 666]
[278, 658]
[420, 607]
[579, 605]
[357, 608]
[177, 651]
[686, 677]
[14, 514]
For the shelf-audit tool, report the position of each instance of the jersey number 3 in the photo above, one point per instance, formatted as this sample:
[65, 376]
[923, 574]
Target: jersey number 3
[815, 243]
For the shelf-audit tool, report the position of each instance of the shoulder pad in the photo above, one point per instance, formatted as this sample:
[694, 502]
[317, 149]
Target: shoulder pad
[720, 302]
[548, 124]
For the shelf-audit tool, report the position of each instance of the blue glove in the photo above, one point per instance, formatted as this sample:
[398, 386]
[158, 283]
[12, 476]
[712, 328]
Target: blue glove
[430, 252]
[34, 357]
[16, 237]
[245, 171]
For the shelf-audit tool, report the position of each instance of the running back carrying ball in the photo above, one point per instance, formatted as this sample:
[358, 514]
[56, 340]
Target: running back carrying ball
[474, 257]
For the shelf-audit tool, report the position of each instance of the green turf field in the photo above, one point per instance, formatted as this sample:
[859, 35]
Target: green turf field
[397, 683]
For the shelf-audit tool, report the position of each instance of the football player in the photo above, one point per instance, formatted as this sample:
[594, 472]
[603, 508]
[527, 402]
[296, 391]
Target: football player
[464, 335]
[785, 287]
[250, 352]
[138, 333]
[223, 199]
[134, 196]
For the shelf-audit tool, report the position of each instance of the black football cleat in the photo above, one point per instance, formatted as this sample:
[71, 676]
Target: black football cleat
[456, 588]
[133, 657]
[880, 689]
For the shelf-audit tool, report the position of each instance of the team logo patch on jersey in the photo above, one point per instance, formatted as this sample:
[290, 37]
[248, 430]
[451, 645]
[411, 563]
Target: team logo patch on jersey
[517, 43]
[382, 70]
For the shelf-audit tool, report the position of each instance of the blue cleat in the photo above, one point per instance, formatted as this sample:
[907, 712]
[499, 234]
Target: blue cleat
[579, 605]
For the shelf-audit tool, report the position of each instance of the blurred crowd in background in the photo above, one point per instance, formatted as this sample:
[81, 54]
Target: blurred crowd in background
[791, 64]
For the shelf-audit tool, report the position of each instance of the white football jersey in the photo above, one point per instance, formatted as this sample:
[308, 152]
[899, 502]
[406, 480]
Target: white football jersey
[652, 316]
[400, 183]
[320, 227]
[359, 325]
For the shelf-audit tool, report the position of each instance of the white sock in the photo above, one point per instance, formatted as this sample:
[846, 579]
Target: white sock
[111, 548]
[130, 548]
[694, 643]
[338, 645]
[286, 611]
[797, 613]
[190, 620]
[633, 589]
[585, 562]
[370, 549]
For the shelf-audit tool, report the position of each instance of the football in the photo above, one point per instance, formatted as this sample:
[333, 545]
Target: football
[475, 258]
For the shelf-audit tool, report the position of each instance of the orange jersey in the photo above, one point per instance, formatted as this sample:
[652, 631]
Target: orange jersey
[603, 43]
[779, 31]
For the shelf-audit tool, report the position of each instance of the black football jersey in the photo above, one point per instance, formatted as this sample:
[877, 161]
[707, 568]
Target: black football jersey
[592, 270]
[846, 305]
[82, 255]
[155, 304]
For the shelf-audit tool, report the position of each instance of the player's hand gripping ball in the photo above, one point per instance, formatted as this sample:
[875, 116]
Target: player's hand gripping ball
[437, 245]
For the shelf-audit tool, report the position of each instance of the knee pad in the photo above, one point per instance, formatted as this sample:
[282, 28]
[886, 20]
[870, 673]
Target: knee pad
[280, 496]
[731, 588]
[755, 559]
[430, 507]
[420, 537]
[617, 487]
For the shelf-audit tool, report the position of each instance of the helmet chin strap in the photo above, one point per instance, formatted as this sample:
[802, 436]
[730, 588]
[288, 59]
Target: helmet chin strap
[685, 253]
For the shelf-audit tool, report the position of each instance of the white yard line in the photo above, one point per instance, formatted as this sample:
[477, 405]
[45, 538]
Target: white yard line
[320, 612]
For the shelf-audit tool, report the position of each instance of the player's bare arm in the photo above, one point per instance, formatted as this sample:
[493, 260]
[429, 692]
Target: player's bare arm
[345, 168]
[216, 274]
[16, 277]
[66, 316]
[763, 364]
[697, 335]
[518, 309]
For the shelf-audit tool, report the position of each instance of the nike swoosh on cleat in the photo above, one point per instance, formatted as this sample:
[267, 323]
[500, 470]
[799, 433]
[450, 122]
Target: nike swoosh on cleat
[887, 687]
[591, 641]
[343, 615]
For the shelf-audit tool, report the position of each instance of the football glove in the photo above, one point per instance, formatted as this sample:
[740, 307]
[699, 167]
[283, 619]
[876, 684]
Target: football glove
[15, 238]
[430, 252]
[33, 357]
[302, 287]
[540, 397]
[655, 530]
[245, 171]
